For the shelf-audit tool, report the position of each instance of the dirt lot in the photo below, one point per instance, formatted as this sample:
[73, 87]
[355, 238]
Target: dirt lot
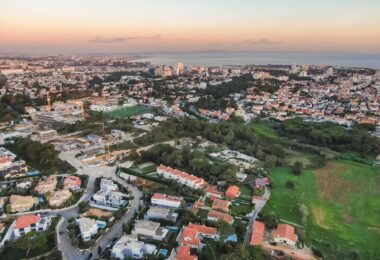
[97, 213]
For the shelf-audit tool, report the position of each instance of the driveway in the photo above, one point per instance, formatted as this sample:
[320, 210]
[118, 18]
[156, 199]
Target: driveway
[258, 207]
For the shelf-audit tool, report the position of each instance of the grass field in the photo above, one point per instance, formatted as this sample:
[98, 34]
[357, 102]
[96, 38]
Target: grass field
[294, 156]
[343, 202]
[264, 128]
[128, 111]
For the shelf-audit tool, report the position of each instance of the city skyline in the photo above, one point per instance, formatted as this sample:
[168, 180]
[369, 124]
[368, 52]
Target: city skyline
[177, 26]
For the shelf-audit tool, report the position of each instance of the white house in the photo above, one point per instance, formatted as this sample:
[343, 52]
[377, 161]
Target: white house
[26, 223]
[159, 213]
[166, 201]
[150, 230]
[181, 177]
[88, 228]
[129, 247]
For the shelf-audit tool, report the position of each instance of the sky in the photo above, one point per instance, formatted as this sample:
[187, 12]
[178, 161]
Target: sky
[106, 26]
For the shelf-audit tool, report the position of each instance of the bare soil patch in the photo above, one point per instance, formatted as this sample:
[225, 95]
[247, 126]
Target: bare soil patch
[98, 213]
[333, 186]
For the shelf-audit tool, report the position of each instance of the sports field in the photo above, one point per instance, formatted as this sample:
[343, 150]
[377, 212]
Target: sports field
[343, 207]
[128, 111]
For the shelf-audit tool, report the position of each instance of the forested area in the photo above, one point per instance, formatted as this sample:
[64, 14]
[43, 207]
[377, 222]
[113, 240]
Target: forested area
[41, 156]
[195, 162]
[332, 136]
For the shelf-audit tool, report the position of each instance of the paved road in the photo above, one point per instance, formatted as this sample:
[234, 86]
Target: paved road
[258, 207]
[69, 252]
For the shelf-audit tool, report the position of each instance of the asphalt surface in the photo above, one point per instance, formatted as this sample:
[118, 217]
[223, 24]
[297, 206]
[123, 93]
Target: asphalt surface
[258, 207]
[70, 252]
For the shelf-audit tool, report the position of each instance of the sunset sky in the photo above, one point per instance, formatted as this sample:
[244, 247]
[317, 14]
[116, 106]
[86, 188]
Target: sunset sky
[72, 26]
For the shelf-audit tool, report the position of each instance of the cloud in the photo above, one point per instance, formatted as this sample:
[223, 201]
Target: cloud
[263, 41]
[156, 37]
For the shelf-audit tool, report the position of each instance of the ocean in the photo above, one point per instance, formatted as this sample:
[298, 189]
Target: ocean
[262, 58]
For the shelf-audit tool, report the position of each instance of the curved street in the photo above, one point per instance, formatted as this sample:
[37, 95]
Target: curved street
[70, 252]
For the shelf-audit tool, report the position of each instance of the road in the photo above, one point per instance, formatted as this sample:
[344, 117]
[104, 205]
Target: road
[70, 252]
[258, 207]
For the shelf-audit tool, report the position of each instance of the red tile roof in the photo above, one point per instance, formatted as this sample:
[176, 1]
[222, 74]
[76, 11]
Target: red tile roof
[285, 231]
[194, 179]
[213, 191]
[190, 237]
[184, 254]
[220, 205]
[233, 191]
[166, 197]
[27, 220]
[72, 181]
[211, 231]
[258, 231]
[220, 215]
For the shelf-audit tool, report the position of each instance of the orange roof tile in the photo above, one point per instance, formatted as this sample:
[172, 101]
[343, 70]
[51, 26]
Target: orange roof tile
[220, 215]
[203, 229]
[258, 230]
[220, 204]
[27, 220]
[184, 254]
[233, 191]
[285, 231]
[189, 237]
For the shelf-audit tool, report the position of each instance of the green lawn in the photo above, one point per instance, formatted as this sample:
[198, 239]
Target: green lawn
[264, 128]
[240, 210]
[246, 191]
[128, 111]
[148, 168]
[294, 156]
[343, 202]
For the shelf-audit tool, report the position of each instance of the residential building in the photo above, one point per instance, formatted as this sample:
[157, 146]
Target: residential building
[110, 199]
[261, 182]
[164, 200]
[221, 205]
[130, 247]
[109, 196]
[192, 235]
[258, 230]
[87, 227]
[57, 198]
[108, 185]
[214, 215]
[159, 213]
[233, 191]
[150, 230]
[213, 192]
[26, 223]
[46, 185]
[182, 177]
[285, 234]
[183, 253]
[22, 203]
[72, 182]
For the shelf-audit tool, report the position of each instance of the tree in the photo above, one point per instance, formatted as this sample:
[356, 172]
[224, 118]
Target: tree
[244, 252]
[297, 168]
[224, 229]
[270, 161]
[133, 154]
[31, 240]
